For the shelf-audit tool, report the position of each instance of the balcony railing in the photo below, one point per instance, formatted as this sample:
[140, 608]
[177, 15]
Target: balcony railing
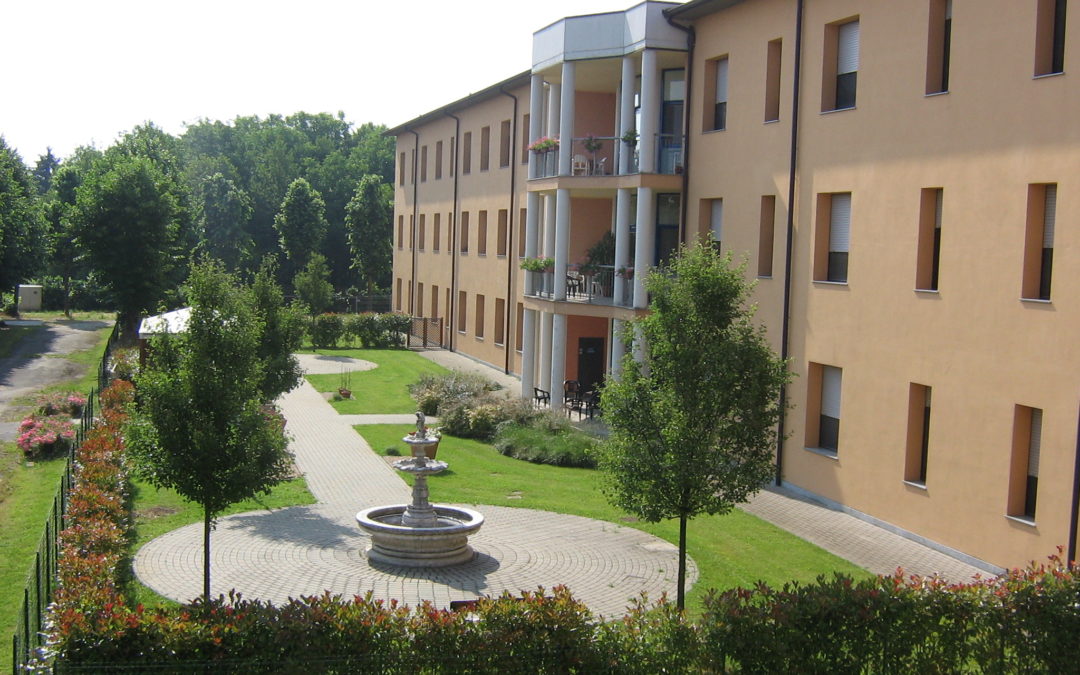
[599, 156]
[596, 287]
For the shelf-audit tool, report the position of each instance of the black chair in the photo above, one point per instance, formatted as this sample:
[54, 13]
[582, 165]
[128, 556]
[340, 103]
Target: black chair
[541, 397]
[572, 396]
[592, 404]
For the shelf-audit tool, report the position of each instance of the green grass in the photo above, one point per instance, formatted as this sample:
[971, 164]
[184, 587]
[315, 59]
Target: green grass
[76, 315]
[10, 336]
[736, 549]
[158, 511]
[382, 390]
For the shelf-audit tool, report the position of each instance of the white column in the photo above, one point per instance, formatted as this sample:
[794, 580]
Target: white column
[566, 119]
[545, 351]
[618, 348]
[562, 240]
[626, 111]
[622, 241]
[532, 218]
[558, 359]
[645, 244]
[554, 103]
[536, 110]
[549, 225]
[639, 349]
[650, 111]
[528, 353]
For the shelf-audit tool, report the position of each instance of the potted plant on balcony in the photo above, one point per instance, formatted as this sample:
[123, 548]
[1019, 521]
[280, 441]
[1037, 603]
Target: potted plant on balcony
[544, 144]
[630, 137]
[537, 264]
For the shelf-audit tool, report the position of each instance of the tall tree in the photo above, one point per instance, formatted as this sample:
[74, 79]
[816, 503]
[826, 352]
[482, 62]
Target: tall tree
[66, 259]
[693, 427]
[199, 426]
[300, 223]
[222, 213]
[313, 287]
[283, 333]
[369, 221]
[127, 220]
[44, 170]
[22, 227]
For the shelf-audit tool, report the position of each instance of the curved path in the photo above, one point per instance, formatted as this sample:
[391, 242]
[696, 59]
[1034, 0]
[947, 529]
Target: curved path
[307, 550]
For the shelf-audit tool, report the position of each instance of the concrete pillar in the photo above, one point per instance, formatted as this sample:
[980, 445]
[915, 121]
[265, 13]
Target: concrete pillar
[532, 221]
[622, 241]
[639, 349]
[618, 348]
[650, 112]
[545, 350]
[566, 119]
[528, 353]
[645, 244]
[536, 111]
[554, 104]
[549, 225]
[626, 111]
[558, 359]
[562, 240]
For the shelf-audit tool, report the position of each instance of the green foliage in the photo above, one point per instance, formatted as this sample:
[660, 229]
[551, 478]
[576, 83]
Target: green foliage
[694, 428]
[313, 286]
[369, 222]
[547, 439]
[600, 253]
[22, 227]
[222, 211]
[328, 331]
[378, 331]
[434, 392]
[283, 333]
[382, 390]
[301, 223]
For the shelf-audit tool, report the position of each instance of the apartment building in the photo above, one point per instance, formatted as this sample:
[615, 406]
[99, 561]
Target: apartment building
[898, 178]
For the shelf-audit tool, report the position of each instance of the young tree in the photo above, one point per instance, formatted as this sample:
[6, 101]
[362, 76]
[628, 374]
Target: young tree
[199, 426]
[313, 286]
[368, 219]
[283, 333]
[22, 228]
[301, 223]
[222, 212]
[693, 427]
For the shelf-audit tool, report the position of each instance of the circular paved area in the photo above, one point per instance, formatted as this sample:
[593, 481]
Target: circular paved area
[311, 549]
[321, 364]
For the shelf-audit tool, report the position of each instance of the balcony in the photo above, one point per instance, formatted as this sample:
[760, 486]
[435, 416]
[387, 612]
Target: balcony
[600, 155]
[593, 287]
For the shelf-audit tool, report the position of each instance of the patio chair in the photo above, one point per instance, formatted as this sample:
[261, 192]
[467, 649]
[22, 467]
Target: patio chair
[541, 397]
[579, 166]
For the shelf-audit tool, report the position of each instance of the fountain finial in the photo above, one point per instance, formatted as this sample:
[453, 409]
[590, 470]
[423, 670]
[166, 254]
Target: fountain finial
[421, 426]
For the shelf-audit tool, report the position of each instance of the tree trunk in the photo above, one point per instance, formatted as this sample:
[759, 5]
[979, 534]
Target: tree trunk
[206, 554]
[67, 295]
[680, 601]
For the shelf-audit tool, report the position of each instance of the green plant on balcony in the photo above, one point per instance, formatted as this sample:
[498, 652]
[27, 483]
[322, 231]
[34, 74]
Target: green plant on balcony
[599, 254]
[544, 144]
[592, 143]
[537, 264]
[630, 137]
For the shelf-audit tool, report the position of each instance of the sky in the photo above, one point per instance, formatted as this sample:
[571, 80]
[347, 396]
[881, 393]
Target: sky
[82, 73]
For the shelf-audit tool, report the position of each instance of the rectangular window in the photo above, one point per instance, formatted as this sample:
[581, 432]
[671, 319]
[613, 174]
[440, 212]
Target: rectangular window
[453, 157]
[478, 329]
[772, 80]
[462, 315]
[765, 235]
[436, 230]
[450, 233]
[423, 228]
[1039, 240]
[504, 143]
[929, 251]
[501, 233]
[1024, 469]
[466, 153]
[840, 66]
[423, 164]
[518, 327]
[438, 160]
[481, 233]
[401, 231]
[918, 433]
[716, 222]
[823, 395]
[721, 97]
[1050, 37]
[500, 321]
[833, 233]
[938, 46]
[485, 148]
[464, 236]
[434, 302]
[397, 295]
[412, 232]
[525, 119]
[521, 233]
[420, 300]
[401, 169]
[412, 167]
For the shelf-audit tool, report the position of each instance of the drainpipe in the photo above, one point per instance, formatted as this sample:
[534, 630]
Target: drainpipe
[415, 219]
[691, 39]
[1075, 520]
[454, 251]
[510, 233]
[785, 348]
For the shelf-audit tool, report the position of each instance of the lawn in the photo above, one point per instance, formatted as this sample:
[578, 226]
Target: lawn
[736, 549]
[382, 390]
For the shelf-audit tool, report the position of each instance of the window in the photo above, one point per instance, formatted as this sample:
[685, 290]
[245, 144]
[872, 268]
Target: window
[438, 160]
[501, 233]
[716, 222]
[401, 169]
[833, 231]
[840, 66]
[435, 232]
[423, 227]
[918, 433]
[1024, 469]
[397, 295]
[772, 79]
[929, 251]
[1039, 240]
[518, 327]
[453, 157]
[423, 164]
[481, 234]
[412, 232]
[466, 153]
[823, 407]
[525, 119]
[938, 46]
[420, 300]
[478, 330]
[434, 302]
[720, 95]
[412, 169]
[464, 237]
[449, 233]
[521, 233]
[485, 148]
[401, 231]
[461, 313]
[500, 321]
[1050, 37]
[765, 235]
[504, 143]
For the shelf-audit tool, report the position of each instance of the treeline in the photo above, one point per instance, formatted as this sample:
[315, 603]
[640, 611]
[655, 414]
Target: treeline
[119, 226]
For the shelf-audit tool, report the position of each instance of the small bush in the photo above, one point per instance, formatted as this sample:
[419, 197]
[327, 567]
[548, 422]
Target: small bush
[539, 443]
[57, 403]
[124, 363]
[327, 331]
[364, 328]
[435, 393]
[42, 435]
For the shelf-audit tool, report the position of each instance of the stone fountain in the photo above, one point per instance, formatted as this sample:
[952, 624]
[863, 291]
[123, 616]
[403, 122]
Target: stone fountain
[420, 534]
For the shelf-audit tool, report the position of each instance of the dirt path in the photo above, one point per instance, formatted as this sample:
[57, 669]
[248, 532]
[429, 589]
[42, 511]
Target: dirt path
[31, 365]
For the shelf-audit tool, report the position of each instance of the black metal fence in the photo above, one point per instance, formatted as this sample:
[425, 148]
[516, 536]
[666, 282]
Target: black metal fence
[426, 332]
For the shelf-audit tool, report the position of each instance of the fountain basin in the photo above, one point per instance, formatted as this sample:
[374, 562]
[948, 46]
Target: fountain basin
[444, 544]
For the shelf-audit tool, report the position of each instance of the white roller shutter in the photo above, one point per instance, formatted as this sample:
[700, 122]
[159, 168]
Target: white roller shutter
[721, 80]
[847, 48]
[830, 391]
[1049, 216]
[840, 222]
[716, 224]
[1036, 442]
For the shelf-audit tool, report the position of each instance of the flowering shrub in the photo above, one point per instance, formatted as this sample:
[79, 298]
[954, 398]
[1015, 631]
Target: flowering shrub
[56, 403]
[544, 144]
[39, 436]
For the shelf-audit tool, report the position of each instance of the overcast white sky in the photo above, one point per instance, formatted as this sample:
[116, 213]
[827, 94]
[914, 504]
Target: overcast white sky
[78, 72]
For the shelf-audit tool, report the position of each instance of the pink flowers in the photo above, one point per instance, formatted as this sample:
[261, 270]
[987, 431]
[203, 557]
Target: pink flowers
[56, 403]
[39, 435]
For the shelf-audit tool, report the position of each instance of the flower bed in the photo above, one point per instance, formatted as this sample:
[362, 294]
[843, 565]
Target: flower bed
[41, 436]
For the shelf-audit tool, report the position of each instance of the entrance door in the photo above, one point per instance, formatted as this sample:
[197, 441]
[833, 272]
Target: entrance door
[590, 364]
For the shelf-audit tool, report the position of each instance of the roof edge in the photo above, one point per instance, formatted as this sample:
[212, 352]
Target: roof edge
[491, 91]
